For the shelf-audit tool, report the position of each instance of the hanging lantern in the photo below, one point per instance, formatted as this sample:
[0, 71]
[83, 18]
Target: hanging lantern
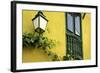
[40, 22]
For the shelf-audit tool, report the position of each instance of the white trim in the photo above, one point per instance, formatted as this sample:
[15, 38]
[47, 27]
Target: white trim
[21, 65]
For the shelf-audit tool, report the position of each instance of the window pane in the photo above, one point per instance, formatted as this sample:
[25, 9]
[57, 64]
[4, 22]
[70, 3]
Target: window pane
[70, 22]
[77, 25]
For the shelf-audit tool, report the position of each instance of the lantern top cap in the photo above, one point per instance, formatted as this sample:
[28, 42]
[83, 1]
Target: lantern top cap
[40, 13]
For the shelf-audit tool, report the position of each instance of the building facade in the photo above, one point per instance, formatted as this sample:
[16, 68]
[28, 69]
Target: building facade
[70, 31]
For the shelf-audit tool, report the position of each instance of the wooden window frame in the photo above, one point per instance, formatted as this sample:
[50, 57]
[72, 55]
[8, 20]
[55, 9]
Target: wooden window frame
[74, 36]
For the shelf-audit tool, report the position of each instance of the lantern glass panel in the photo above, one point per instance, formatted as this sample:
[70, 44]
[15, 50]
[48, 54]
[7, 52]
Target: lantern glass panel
[36, 22]
[43, 23]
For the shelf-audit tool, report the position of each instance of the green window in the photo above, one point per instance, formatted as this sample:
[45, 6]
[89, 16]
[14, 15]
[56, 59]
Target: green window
[74, 36]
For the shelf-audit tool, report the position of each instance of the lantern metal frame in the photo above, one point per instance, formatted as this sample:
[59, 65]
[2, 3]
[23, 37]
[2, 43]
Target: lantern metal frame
[38, 15]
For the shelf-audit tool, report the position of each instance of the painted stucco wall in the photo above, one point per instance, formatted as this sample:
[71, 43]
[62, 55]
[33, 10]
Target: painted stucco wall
[55, 30]
[86, 36]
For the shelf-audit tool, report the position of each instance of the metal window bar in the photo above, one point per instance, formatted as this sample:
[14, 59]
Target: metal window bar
[74, 48]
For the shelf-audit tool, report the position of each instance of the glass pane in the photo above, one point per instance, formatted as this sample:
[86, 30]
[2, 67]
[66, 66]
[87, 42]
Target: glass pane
[35, 22]
[77, 25]
[70, 22]
[43, 23]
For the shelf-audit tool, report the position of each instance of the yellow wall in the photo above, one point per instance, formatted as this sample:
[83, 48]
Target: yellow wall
[86, 36]
[56, 32]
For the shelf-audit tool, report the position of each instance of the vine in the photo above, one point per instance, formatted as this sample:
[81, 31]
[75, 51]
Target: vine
[37, 41]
